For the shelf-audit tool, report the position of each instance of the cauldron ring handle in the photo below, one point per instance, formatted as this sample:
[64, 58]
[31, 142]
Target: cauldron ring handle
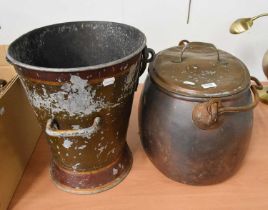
[71, 133]
[205, 115]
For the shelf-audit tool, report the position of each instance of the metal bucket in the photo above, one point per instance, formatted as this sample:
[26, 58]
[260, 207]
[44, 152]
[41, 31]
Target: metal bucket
[80, 78]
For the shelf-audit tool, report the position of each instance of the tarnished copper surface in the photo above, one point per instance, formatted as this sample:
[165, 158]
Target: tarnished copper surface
[195, 113]
[183, 151]
[201, 71]
[206, 114]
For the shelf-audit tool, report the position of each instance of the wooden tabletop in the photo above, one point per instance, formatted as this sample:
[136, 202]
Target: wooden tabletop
[146, 188]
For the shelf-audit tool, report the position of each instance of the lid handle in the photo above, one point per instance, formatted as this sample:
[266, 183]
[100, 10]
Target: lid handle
[186, 45]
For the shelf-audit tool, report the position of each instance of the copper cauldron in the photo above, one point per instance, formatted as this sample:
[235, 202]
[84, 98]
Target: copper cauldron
[80, 78]
[195, 113]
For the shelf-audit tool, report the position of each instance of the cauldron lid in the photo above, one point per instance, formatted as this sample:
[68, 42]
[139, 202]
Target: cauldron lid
[198, 69]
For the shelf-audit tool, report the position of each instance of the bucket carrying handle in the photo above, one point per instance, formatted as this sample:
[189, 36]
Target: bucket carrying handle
[148, 55]
[206, 114]
[52, 129]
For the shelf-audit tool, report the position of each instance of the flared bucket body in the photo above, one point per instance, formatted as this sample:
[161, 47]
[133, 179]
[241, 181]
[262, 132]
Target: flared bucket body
[80, 78]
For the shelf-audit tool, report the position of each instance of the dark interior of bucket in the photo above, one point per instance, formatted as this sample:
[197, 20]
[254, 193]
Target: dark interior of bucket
[79, 44]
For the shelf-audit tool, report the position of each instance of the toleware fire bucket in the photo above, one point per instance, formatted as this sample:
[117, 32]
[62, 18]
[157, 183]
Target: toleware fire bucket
[80, 78]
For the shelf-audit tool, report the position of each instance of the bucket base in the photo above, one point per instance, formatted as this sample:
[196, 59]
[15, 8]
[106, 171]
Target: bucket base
[92, 182]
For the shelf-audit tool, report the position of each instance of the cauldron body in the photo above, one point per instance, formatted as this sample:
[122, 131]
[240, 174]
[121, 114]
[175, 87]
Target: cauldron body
[184, 152]
[195, 113]
[80, 78]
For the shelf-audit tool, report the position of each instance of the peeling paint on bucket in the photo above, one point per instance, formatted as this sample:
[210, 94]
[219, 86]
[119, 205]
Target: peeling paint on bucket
[82, 96]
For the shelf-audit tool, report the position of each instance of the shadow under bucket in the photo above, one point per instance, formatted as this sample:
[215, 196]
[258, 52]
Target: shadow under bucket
[80, 78]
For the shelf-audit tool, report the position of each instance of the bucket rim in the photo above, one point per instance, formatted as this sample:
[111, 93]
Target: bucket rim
[20, 64]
